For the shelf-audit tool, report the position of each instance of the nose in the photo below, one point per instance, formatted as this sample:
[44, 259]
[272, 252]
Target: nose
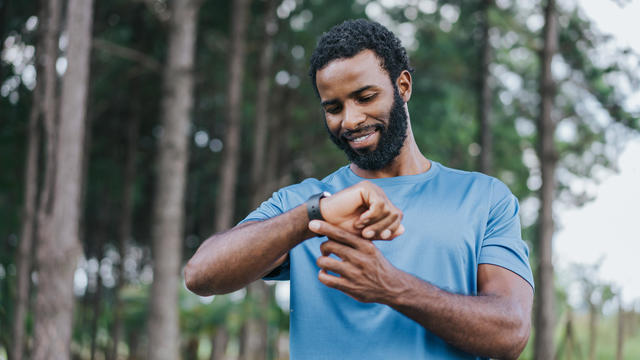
[353, 117]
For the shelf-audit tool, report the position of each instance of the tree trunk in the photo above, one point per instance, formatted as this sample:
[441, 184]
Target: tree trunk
[620, 334]
[225, 204]
[59, 249]
[486, 138]
[134, 346]
[96, 298]
[255, 329]
[49, 111]
[593, 330]
[258, 292]
[273, 328]
[96, 248]
[570, 337]
[168, 211]
[125, 228]
[262, 105]
[544, 317]
[219, 342]
[277, 173]
[191, 349]
[570, 340]
[24, 255]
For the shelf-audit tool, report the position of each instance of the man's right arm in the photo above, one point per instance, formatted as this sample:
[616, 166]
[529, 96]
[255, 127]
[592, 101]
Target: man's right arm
[230, 260]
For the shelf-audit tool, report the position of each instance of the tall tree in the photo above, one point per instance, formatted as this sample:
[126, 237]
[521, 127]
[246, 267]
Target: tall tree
[225, 204]
[596, 295]
[255, 344]
[24, 255]
[125, 228]
[567, 345]
[168, 211]
[219, 343]
[486, 139]
[620, 334]
[56, 253]
[544, 312]
[50, 114]
[262, 103]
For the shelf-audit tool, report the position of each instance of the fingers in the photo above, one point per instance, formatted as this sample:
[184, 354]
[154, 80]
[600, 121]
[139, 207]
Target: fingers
[377, 202]
[386, 226]
[363, 210]
[343, 251]
[342, 268]
[385, 229]
[382, 219]
[335, 282]
[334, 232]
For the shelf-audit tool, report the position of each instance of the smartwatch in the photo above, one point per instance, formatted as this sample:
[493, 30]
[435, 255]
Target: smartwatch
[313, 205]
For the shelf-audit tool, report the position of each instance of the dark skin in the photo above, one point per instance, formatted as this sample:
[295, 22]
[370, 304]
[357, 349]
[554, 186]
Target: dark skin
[355, 93]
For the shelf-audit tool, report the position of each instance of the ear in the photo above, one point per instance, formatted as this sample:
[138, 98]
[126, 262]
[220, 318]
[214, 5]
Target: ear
[404, 85]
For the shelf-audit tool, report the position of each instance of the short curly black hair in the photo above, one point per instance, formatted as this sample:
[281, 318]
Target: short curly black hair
[351, 37]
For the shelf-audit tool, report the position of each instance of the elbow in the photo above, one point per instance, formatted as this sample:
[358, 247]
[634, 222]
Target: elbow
[193, 279]
[517, 340]
[190, 279]
[518, 347]
[202, 281]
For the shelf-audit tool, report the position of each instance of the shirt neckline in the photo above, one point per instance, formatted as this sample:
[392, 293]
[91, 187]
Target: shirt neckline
[405, 179]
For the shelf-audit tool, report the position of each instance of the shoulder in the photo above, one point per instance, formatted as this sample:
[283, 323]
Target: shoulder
[299, 192]
[464, 176]
[488, 187]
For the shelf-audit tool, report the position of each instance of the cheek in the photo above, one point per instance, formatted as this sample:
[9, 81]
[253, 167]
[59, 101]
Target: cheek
[379, 109]
[380, 113]
[332, 123]
[383, 109]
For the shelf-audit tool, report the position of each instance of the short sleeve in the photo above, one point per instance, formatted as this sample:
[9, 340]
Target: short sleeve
[268, 209]
[502, 244]
[271, 208]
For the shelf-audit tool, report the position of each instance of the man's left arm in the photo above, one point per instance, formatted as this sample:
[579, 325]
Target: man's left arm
[495, 323]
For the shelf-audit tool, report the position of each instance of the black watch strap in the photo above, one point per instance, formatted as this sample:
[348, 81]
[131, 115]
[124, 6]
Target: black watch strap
[313, 205]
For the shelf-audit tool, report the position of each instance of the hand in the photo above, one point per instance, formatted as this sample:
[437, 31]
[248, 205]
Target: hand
[363, 209]
[364, 273]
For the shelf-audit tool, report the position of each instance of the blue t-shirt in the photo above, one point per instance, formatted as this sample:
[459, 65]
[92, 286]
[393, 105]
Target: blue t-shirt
[454, 220]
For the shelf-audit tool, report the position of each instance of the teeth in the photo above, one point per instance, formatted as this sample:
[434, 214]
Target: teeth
[361, 138]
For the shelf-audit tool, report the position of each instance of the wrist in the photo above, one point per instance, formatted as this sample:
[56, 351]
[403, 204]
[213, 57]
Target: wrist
[301, 218]
[400, 291]
[314, 211]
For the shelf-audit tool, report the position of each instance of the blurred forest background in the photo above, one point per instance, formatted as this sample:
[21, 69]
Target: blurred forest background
[131, 130]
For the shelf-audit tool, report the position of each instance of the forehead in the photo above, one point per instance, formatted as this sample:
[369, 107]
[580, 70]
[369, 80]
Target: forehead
[342, 76]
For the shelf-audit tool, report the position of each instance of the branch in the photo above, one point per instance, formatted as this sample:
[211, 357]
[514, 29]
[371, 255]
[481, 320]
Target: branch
[127, 53]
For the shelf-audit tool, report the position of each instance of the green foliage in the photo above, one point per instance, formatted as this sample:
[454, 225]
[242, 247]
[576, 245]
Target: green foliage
[443, 108]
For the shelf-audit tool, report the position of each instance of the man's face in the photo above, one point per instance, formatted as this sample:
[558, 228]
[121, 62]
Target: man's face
[365, 114]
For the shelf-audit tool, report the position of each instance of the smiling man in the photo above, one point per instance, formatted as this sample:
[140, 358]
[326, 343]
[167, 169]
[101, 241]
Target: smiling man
[408, 259]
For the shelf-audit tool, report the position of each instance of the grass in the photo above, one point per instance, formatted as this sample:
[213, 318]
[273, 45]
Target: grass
[607, 333]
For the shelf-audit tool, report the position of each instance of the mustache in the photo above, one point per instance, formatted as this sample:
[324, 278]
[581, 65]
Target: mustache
[353, 134]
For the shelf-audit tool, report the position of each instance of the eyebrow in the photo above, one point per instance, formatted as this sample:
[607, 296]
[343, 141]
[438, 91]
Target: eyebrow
[352, 94]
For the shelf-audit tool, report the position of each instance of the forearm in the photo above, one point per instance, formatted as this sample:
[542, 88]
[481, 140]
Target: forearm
[485, 325]
[232, 259]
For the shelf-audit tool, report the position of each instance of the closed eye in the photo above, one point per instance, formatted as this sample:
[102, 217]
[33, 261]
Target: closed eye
[366, 99]
[333, 109]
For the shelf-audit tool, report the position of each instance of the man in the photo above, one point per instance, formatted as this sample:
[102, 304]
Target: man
[452, 280]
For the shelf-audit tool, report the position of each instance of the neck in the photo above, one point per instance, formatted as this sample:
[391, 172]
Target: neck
[410, 161]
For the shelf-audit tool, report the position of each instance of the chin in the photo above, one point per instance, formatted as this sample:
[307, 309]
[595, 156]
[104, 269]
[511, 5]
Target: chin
[365, 150]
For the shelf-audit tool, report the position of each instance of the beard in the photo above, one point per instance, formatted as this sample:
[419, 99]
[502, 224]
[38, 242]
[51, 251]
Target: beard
[391, 139]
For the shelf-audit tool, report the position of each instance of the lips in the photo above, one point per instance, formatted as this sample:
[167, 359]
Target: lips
[362, 138]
